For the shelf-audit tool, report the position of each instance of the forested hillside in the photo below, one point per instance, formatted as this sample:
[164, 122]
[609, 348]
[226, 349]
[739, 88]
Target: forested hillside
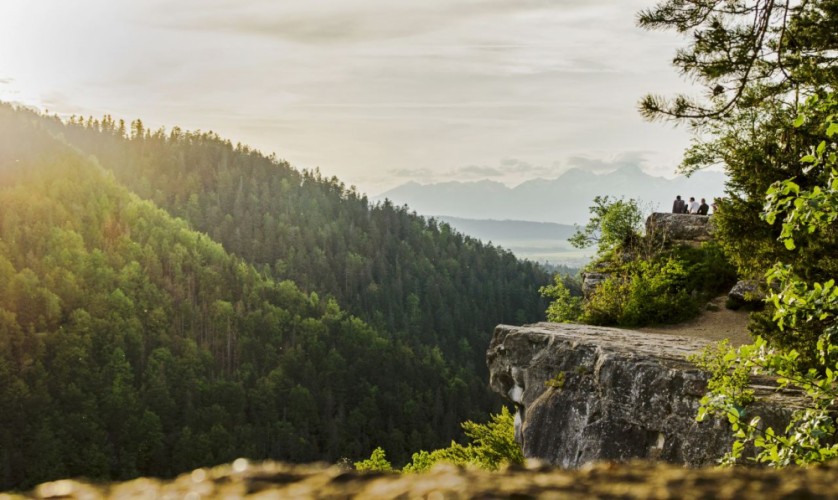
[132, 344]
[415, 279]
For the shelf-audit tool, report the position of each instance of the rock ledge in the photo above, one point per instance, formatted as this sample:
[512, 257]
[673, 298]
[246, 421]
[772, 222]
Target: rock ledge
[586, 394]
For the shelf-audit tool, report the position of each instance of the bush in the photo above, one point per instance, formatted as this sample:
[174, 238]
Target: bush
[491, 446]
[613, 224]
[708, 269]
[377, 462]
[644, 292]
[565, 307]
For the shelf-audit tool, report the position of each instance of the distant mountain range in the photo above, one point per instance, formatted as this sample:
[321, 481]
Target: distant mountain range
[563, 200]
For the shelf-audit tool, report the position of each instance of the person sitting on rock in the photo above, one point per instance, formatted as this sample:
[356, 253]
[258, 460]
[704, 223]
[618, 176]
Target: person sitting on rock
[679, 206]
[693, 206]
[703, 208]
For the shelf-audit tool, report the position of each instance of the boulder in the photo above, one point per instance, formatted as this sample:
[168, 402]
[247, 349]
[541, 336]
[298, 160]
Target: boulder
[679, 228]
[745, 293]
[586, 393]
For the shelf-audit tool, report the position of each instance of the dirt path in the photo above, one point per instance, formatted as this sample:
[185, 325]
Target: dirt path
[715, 324]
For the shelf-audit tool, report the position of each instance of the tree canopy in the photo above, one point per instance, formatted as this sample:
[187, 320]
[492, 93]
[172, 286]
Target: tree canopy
[132, 344]
[745, 53]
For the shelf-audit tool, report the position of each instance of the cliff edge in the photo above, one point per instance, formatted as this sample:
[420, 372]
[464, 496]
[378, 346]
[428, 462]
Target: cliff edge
[586, 393]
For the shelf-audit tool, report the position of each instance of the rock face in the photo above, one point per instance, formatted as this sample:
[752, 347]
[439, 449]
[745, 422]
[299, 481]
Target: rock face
[634, 480]
[588, 393]
[679, 228]
[590, 282]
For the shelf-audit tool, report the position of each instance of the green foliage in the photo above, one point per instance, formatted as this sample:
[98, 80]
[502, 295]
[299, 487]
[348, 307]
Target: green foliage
[613, 223]
[564, 307]
[645, 284]
[557, 382]
[758, 60]
[642, 292]
[708, 269]
[491, 446]
[746, 54]
[806, 358]
[809, 436]
[666, 288]
[131, 344]
[409, 277]
[728, 380]
[377, 462]
[425, 290]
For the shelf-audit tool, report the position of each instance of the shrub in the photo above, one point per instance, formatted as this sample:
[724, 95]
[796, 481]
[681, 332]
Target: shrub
[491, 446]
[643, 292]
[565, 308]
[377, 462]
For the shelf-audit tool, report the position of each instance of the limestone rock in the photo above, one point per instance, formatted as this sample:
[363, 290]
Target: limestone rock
[745, 292]
[586, 394]
[590, 282]
[636, 480]
[679, 228]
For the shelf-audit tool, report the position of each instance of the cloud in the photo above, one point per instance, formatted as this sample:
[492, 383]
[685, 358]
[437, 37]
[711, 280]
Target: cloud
[635, 159]
[479, 171]
[326, 22]
[408, 172]
[509, 170]
[520, 167]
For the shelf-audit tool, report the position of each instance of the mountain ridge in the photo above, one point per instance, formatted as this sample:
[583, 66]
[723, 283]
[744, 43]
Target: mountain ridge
[563, 200]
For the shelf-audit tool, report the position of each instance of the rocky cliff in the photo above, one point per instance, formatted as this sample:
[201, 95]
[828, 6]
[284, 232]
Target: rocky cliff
[586, 393]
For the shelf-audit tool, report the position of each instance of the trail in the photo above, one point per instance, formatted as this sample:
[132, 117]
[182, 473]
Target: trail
[718, 324]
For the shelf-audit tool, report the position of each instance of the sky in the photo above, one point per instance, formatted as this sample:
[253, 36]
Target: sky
[375, 92]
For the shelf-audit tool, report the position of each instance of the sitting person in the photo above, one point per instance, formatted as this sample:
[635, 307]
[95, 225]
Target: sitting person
[703, 208]
[693, 206]
[679, 206]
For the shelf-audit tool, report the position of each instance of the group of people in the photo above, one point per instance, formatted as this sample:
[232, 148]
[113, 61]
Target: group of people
[693, 207]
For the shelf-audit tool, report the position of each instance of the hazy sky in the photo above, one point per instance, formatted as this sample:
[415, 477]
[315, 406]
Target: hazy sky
[377, 92]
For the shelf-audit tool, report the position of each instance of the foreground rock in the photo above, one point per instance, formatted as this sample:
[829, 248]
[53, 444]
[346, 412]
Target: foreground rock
[635, 480]
[587, 394]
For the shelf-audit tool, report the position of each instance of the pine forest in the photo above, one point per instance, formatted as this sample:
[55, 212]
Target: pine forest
[169, 300]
